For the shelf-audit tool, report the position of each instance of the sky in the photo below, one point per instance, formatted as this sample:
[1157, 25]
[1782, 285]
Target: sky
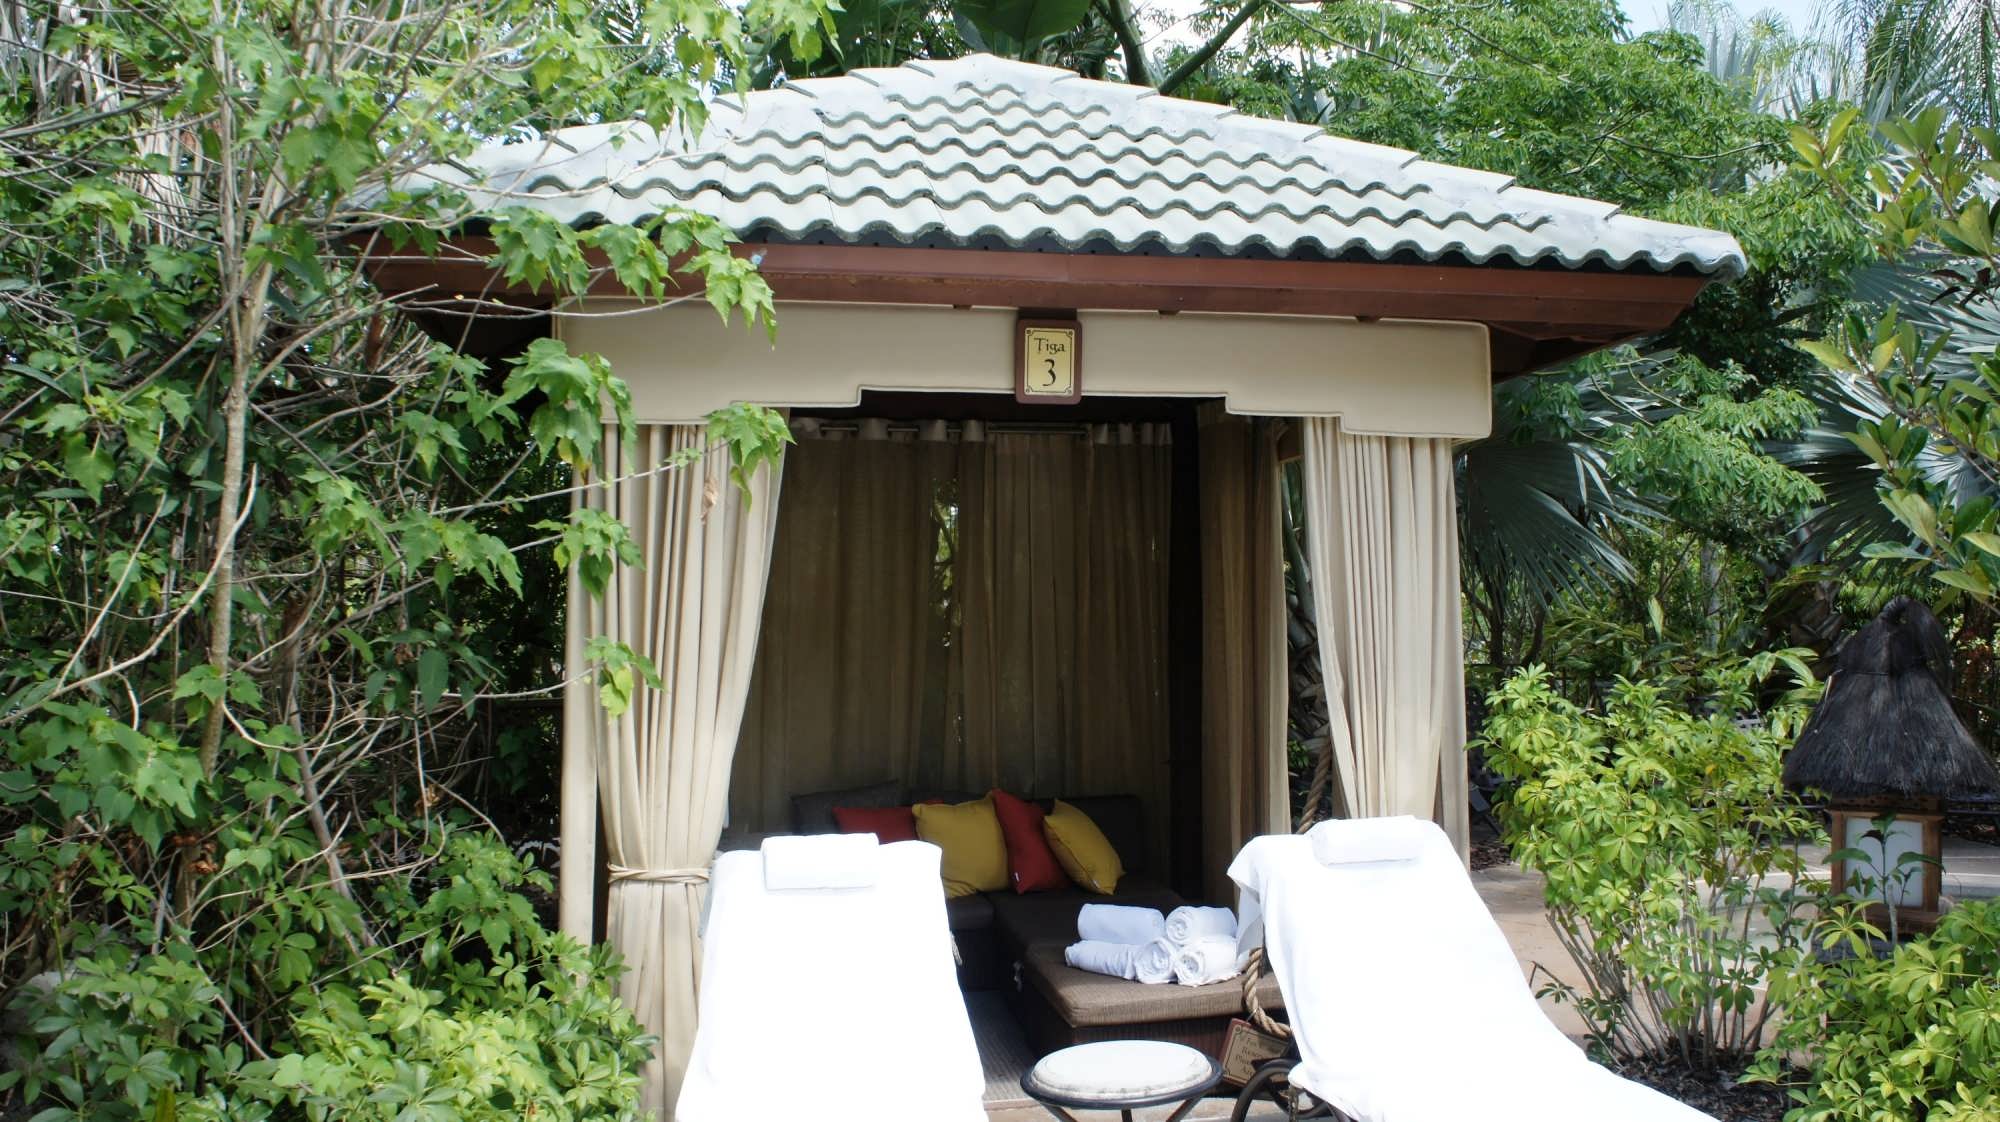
[1645, 15]
[1649, 15]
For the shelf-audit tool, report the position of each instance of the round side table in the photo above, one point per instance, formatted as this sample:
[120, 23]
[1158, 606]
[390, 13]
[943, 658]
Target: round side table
[1121, 1075]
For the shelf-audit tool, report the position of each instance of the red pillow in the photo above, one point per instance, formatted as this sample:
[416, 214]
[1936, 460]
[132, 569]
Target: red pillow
[1031, 864]
[887, 823]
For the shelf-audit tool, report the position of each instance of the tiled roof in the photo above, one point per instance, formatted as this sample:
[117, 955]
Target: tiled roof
[983, 152]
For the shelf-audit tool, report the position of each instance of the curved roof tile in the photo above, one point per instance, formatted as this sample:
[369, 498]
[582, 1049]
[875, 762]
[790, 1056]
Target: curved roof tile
[984, 151]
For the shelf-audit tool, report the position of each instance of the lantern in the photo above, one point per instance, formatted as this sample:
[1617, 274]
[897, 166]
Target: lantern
[1886, 749]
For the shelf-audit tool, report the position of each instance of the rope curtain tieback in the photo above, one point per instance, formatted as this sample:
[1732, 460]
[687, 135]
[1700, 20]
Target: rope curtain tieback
[1253, 972]
[659, 876]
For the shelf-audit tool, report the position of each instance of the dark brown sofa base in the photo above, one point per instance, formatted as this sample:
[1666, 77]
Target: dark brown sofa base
[1059, 1006]
[1048, 1032]
[982, 965]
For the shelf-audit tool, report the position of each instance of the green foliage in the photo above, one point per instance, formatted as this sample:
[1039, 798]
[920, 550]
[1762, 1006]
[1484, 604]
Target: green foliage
[754, 437]
[1703, 462]
[1016, 27]
[1659, 826]
[1548, 90]
[1909, 1035]
[268, 548]
[480, 1014]
[1598, 487]
[1926, 202]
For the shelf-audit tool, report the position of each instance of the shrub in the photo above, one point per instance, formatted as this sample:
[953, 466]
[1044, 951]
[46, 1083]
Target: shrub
[1911, 1036]
[467, 1010]
[1662, 835]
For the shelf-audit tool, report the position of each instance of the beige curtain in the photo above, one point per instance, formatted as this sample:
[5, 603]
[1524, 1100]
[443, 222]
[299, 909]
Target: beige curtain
[1018, 565]
[850, 676]
[1123, 725]
[662, 767]
[1382, 540]
[1060, 679]
[1245, 689]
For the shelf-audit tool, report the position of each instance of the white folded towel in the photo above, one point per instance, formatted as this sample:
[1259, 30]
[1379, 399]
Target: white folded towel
[1154, 963]
[1117, 960]
[1208, 959]
[1186, 924]
[1353, 841]
[1119, 923]
[820, 861]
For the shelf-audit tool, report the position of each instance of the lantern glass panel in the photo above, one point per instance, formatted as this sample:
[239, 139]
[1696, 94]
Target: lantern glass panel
[1883, 875]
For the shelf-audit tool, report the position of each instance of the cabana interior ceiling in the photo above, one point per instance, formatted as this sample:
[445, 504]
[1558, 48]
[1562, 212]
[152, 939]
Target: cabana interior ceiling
[1240, 282]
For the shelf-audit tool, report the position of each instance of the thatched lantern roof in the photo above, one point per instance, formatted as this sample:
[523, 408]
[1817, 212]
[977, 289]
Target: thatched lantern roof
[1886, 726]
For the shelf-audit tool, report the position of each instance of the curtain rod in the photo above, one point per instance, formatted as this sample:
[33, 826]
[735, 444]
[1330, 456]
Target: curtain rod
[952, 430]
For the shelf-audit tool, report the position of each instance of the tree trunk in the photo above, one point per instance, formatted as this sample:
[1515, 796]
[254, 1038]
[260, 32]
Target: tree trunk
[1711, 596]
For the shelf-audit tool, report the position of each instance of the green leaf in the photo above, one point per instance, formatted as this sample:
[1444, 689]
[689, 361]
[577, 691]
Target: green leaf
[614, 690]
[62, 417]
[1012, 27]
[1980, 539]
[1831, 355]
[432, 670]
[1971, 580]
[1914, 512]
[87, 464]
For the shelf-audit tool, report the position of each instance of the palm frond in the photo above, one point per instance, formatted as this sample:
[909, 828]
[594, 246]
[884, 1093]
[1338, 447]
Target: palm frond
[1533, 503]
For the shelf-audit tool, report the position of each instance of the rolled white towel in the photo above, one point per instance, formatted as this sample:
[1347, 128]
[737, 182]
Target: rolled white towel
[1119, 923]
[1154, 963]
[1210, 958]
[1356, 840]
[1186, 924]
[1118, 960]
[820, 861]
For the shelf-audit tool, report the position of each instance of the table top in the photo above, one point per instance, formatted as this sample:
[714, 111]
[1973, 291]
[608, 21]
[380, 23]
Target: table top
[1121, 1073]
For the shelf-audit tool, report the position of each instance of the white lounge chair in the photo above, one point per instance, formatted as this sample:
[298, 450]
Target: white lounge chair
[1405, 1000]
[831, 1003]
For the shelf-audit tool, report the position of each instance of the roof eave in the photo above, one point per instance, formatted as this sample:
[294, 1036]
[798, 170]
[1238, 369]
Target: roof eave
[1537, 316]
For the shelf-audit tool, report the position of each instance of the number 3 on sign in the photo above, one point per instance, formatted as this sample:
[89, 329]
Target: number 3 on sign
[1048, 366]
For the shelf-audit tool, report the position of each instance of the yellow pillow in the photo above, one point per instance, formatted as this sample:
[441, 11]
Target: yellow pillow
[975, 853]
[1082, 849]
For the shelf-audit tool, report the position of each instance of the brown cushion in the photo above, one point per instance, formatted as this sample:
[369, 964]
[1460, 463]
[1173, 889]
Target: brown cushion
[1049, 918]
[1084, 999]
[1122, 820]
[969, 913]
[812, 813]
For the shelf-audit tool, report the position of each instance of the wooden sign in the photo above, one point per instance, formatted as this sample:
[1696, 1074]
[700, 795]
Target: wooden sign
[1048, 361]
[1246, 1048]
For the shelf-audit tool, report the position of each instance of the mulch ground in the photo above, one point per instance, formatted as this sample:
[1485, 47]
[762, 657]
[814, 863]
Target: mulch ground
[1488, 852]
[1716, 1092]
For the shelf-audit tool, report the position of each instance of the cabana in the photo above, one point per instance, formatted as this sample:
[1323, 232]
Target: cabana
[1045, 343]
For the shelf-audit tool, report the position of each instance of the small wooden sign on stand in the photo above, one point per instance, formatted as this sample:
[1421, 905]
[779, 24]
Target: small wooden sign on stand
[1245, 1048]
